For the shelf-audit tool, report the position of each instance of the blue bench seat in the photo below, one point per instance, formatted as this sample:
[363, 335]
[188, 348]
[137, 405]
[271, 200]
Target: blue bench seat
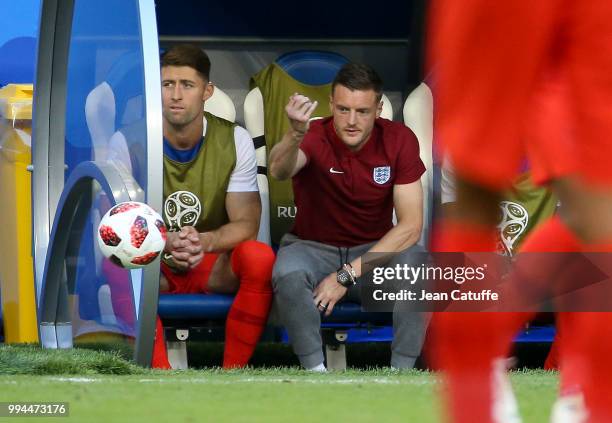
[215, 307]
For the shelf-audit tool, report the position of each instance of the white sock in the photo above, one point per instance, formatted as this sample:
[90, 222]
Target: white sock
[505, 406]
[569, 408]
[318, 368]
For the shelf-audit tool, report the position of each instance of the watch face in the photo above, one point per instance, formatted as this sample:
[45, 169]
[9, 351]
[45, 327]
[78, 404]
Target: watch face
[343, 277]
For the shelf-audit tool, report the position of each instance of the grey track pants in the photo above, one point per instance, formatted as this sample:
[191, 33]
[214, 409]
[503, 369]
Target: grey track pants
[300, 266]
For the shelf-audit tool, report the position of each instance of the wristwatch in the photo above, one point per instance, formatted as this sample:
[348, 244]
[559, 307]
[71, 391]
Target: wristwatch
[346, 276]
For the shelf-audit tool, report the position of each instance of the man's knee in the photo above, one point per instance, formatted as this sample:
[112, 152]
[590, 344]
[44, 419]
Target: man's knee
[288, 275]
[253, 260]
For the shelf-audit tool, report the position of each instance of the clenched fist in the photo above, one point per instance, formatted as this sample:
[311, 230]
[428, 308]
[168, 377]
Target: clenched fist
[299, 109]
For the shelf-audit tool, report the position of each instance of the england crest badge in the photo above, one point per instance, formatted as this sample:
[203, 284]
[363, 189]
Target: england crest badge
[381, 174]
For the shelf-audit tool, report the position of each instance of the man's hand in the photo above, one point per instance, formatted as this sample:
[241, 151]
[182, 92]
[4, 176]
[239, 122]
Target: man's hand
[286, 159]
[328, 293]
[298, 111]
[185, 247]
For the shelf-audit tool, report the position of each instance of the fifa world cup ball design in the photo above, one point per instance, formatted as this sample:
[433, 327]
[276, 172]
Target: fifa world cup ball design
[513, 223]
[182, 208]
[131, 235]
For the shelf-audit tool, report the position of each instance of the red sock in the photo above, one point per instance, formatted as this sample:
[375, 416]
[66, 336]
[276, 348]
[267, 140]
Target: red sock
[465, 344]
[583, 346]
[554, 236]
[252, 262]
[160, 354]
[552, 359]
[578, 340]
[589, 348]
[591, 337]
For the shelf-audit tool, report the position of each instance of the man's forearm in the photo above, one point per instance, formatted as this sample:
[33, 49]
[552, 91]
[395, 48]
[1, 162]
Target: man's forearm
[283, 156]
[228, 236]
[399, 238]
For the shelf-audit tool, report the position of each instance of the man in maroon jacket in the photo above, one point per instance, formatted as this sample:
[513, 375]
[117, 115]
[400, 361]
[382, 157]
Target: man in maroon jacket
[349, 172]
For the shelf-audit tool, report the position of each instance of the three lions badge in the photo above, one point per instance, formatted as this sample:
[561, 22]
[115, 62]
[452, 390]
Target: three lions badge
[381, 174]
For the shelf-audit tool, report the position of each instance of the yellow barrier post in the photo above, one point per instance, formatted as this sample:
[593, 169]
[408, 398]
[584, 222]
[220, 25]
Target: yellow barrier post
[16, 266]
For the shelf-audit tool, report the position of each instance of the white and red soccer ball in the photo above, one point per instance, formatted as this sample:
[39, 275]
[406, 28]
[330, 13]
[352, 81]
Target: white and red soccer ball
[131, 234]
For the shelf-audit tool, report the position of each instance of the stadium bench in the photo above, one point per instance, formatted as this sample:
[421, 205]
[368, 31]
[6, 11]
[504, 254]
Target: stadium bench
[186, 314]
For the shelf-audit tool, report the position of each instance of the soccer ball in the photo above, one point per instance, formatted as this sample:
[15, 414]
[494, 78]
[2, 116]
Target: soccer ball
[131, 235]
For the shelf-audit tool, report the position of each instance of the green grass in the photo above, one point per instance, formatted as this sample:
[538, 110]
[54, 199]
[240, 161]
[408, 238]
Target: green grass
[32, 360]
[102, 387]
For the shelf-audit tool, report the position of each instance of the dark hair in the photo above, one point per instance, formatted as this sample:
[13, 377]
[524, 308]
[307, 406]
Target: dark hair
[188, 55]
[360, 77]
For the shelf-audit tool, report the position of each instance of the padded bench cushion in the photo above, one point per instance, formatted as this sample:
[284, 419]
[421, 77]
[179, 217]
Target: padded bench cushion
[194, 306]
[216, 307]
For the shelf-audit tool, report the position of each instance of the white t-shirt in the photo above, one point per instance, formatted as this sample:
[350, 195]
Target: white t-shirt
[244, 176]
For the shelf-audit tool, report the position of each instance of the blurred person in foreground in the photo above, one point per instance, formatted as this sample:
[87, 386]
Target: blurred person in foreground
[524, 71]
